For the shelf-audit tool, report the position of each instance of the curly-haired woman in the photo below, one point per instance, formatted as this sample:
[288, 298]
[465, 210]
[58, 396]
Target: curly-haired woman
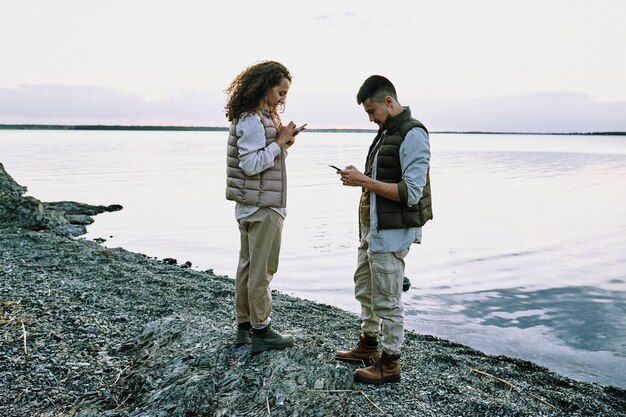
[257, 182]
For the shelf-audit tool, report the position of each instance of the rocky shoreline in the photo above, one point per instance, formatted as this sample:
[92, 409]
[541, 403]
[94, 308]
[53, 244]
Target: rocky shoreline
[92, 331]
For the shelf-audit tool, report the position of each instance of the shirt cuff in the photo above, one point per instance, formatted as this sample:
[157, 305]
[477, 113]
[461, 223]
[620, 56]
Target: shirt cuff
[274, 149]
[404, 192]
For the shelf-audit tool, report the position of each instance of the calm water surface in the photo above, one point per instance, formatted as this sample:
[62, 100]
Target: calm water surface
[526, 256]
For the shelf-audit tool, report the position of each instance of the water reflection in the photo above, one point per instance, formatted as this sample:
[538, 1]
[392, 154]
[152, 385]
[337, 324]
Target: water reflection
[536, 325]
[587, 318]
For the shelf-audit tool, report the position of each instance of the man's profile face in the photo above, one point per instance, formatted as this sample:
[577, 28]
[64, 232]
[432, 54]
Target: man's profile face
[378, 112]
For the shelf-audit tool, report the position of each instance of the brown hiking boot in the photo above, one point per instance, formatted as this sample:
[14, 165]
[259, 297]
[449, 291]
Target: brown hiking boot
[366, 351]
[386, 369]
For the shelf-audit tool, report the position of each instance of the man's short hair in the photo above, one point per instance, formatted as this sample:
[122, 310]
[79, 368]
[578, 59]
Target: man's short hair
[376, 88]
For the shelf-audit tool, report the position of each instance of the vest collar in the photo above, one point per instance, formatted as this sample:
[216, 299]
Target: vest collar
[395, 122]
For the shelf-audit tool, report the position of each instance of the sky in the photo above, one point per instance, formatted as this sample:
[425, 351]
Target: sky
[487, 65]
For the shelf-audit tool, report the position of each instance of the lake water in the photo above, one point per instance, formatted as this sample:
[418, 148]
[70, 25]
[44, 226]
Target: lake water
[526, 255]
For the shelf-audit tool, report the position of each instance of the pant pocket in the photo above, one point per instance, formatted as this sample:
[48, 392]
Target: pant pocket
[387, 273]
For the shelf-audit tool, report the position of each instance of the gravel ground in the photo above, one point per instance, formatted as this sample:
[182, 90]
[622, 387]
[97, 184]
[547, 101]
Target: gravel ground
[91, 331]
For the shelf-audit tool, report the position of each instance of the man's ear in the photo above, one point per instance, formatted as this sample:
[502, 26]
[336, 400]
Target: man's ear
[389, 101]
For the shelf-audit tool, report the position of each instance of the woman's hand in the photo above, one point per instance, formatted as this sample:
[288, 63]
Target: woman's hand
[286, 135]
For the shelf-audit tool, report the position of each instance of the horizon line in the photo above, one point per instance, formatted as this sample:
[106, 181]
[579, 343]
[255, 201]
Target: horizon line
[36, 126]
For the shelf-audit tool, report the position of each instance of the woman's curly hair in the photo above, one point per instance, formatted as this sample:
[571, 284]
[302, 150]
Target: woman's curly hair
[247, 92]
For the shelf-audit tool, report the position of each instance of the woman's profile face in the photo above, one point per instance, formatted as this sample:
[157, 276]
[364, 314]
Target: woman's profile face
[278, 94]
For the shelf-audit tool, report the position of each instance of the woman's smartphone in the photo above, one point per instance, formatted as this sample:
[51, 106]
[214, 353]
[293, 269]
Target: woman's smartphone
[332, 166]
[301, 127]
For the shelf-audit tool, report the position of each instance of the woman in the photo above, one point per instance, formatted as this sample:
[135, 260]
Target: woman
[257, 182]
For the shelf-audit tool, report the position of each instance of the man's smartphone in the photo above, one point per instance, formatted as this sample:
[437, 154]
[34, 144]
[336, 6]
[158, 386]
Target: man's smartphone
[332, 166]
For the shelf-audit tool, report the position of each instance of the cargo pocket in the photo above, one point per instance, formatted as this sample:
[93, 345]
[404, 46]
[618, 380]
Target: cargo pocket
[388, 272]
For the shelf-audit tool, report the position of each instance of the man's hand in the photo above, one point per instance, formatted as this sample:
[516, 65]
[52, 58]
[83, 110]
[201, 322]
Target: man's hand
[352, 177]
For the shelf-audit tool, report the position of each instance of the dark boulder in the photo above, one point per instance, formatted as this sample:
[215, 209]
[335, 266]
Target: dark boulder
[65, 218]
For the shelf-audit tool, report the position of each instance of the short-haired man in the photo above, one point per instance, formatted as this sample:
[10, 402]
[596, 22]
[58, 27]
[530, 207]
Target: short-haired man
[395, 204]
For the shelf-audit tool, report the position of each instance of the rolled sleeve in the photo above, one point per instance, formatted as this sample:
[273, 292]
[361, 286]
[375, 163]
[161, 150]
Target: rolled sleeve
[403, 191]
[414, 161]
[254, 155]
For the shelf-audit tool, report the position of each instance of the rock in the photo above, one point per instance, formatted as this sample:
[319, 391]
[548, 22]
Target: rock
[81, 219]
[74, 208]
[10, 196]
[65, 218]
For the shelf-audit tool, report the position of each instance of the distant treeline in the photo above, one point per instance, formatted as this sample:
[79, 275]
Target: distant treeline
[121, 127]
[219, 128]
[109, 127]
[536, 133]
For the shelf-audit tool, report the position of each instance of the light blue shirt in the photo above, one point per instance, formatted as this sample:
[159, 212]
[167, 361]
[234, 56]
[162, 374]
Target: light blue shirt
[414, 162]
[254, 156]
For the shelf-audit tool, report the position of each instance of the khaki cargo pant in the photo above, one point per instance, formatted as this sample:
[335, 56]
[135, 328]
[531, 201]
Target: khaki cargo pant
[378, 287]
[258, 262]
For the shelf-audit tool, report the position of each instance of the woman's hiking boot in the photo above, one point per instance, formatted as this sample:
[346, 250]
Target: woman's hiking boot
[366, 351]
[243, 334]
[268, 338]
[386, 369]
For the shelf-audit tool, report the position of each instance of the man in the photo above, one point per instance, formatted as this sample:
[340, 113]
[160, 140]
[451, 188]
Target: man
[395, 204]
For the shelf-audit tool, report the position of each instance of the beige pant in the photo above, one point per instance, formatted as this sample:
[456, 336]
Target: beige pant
[378, 287]
[258, 262]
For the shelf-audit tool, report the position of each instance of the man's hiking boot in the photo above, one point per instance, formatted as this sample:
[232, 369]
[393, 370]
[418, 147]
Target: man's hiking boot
[268, 338]
[243, 337]
[366, 351]
[386, 369]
